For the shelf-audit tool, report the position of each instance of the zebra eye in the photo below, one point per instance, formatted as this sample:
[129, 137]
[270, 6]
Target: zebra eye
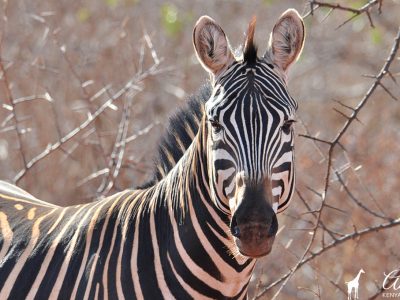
[216, 126]
[287, 126]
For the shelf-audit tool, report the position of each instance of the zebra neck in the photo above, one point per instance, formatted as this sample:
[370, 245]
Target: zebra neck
[186, 190]
[179, 236]
[188, 184]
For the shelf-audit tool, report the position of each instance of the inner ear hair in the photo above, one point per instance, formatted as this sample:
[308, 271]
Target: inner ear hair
[287, 40]
[211, 45]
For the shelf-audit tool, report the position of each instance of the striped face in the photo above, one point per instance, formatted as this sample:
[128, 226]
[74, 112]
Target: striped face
[249, 128]
[250, 116]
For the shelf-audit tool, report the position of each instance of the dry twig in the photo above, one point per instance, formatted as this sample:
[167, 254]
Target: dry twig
[131, 84]
[313, 255]
[365, 9]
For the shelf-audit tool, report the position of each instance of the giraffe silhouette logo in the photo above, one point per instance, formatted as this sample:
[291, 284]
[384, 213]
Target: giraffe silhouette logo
[353, 285]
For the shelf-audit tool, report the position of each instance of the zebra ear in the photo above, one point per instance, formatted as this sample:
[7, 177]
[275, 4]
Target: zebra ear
[286, 40]
[211, 45]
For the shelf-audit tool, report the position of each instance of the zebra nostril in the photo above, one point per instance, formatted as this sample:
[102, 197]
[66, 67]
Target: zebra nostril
[236, 231]
[235, 228]
[273, 229]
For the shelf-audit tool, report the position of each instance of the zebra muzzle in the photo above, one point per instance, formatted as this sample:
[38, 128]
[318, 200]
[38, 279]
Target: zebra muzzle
[254, 239]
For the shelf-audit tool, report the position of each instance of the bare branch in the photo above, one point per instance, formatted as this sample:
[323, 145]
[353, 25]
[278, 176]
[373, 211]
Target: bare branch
[131, 84]
[367, 96]
[388, 92]
[339, 241]
[115, 161]
[10, 99]
[314, 139]
[83, 86]
[355, 11]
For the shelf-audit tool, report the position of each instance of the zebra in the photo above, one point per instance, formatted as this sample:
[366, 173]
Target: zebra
[196, 229]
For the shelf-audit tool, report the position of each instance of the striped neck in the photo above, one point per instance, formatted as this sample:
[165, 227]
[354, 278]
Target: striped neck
[192, 231]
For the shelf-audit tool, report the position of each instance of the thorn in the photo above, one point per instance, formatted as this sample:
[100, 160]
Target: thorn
[370, 19]
[388, 92]
[347, 21]
[341, 146]
[344, 105]
[392, 77]
[314, 139]
[380, 6]
[314, 191]
[341, 113]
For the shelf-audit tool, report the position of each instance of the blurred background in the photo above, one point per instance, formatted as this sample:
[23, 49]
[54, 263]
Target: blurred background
[63, 139]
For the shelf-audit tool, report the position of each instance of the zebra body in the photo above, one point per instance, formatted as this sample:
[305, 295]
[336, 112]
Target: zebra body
[120, 246]
[194, 231]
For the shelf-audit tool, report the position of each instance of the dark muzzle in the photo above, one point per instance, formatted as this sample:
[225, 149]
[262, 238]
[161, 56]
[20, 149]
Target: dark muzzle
[254, 239]
[254, 224]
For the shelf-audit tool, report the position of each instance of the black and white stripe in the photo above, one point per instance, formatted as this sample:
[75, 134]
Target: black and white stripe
[254, 107]
[171, 238]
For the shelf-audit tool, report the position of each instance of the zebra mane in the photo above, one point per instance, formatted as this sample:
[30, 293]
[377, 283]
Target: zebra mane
[250, 49]
[181, 130]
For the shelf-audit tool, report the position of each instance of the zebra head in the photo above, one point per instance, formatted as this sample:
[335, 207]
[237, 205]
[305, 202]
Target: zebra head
[248, 122]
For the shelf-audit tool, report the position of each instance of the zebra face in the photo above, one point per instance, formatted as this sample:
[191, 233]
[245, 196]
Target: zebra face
[249, 119]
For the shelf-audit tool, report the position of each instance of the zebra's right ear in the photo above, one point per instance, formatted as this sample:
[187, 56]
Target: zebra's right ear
[211, 45]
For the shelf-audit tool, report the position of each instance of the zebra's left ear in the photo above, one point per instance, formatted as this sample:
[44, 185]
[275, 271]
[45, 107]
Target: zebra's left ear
[211, 45]
[287, 40]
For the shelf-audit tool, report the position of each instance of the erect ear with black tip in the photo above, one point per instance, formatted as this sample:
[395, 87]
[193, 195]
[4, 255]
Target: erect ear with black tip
[286, 40]
[211, 46]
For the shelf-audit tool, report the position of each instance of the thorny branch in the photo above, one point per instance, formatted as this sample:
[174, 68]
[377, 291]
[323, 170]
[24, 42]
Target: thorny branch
[131, 84]
[126, 141]
[308, 254]
[339, 176]
[12, 106]
[117, 155]
[86, 96]
[115, 162]
[333, 244]
[365, 9]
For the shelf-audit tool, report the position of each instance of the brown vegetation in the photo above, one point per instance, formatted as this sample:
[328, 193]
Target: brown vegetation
[86, 89]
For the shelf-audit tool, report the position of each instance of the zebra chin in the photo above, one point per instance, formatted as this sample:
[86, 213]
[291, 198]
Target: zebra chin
[255, 239]
[255, 249]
